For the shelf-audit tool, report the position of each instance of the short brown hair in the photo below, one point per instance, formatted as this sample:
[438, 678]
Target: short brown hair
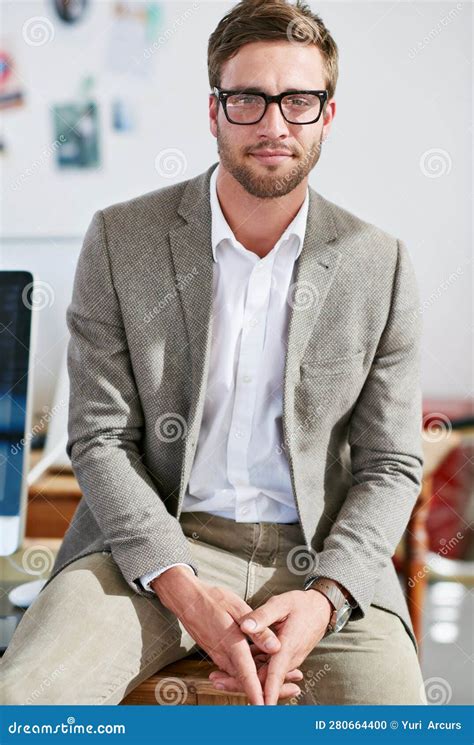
[259, 20]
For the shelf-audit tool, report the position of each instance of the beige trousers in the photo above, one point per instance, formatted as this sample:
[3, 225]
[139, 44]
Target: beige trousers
[88, 639]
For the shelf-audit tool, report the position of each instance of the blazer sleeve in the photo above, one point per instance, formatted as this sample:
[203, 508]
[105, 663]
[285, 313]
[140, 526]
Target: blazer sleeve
[106, 422]
[385, 437]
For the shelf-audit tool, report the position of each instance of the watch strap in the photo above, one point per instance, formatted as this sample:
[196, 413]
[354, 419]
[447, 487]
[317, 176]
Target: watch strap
[330, 590]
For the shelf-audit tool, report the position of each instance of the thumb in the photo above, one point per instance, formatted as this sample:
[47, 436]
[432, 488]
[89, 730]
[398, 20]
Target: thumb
[256, 624]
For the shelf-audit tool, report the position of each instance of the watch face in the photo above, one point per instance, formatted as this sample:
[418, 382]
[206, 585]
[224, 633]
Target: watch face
[342, 617]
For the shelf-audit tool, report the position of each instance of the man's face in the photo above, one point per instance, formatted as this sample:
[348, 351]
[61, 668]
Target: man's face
[271, 67]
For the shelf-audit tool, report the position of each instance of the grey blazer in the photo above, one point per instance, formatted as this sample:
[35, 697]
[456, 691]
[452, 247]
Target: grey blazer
[140, 322]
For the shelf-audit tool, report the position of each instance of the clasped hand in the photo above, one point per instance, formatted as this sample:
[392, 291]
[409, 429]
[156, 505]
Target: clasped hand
[222, 624]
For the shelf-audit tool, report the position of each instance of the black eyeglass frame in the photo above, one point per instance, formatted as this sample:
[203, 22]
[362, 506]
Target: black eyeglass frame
[222, 96]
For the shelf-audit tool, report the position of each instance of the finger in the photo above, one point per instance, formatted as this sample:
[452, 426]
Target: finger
[243, 662]
[232, 685]
[256, 623]
[262, 659]
[291, 677]
[276, 671]
[264, 638]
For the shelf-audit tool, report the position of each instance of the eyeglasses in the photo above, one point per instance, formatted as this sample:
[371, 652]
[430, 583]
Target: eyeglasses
[249, 106]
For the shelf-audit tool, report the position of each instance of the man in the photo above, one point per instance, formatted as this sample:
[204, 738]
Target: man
[245, 415]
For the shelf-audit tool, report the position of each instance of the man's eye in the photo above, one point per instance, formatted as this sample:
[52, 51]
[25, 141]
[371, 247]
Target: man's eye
[246, 100]
[299, 102]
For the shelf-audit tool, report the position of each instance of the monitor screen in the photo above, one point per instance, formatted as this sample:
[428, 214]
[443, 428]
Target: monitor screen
[16, 289]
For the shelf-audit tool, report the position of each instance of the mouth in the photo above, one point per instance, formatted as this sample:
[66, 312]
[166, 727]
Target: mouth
[269, 158]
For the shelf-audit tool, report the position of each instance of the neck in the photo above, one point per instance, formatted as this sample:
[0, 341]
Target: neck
[256, 223]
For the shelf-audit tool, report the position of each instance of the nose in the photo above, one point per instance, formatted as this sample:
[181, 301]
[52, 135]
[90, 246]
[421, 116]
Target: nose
[273, 124]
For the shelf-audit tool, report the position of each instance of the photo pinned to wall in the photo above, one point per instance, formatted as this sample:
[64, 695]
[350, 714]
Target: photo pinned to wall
[76, 127]
[10, 90]
[134, 30]
[123, 115]
[70, 11]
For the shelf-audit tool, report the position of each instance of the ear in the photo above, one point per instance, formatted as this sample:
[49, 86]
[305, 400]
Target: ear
[213, 111]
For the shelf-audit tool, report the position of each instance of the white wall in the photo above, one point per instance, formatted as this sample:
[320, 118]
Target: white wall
[399, 154]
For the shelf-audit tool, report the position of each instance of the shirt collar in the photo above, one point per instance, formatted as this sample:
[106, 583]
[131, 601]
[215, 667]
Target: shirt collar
[221, 229]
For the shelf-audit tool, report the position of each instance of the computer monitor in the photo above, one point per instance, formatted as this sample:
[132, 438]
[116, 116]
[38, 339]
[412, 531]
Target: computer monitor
[17, 336]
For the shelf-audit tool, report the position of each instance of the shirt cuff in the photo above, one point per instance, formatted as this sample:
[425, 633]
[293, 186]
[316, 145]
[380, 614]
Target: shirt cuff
[145, 579]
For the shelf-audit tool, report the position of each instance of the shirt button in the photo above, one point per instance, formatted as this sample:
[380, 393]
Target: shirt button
[247, 378]
[253, 322]
[244, 510]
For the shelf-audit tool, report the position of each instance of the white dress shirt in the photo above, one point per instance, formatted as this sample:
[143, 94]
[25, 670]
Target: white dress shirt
[240, 470]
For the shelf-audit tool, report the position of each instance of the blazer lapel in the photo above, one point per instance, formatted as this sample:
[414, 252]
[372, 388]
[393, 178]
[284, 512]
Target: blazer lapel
[316, 269]
[191, 251]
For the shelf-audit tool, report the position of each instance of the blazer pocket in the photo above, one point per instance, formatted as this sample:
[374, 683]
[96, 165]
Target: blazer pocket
[334, 365]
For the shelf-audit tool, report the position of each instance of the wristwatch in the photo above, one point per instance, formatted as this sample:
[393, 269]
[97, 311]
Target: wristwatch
[341, 607]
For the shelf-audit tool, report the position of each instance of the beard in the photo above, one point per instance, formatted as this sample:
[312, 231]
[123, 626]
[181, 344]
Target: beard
[267, 182]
